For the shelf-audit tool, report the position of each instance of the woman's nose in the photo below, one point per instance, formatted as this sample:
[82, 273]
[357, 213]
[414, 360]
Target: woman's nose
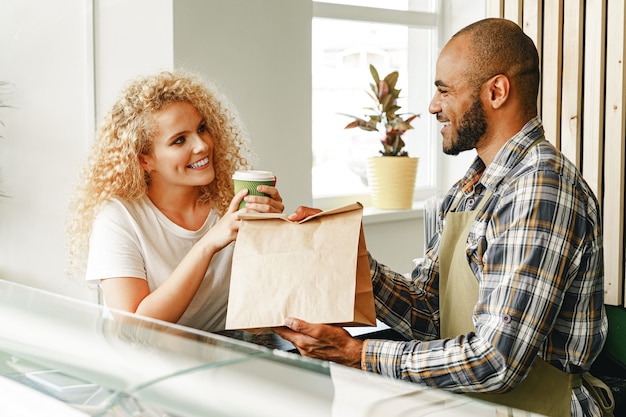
[199, 144]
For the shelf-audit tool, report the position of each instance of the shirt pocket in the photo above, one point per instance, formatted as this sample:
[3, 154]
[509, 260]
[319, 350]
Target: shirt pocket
[476, 248]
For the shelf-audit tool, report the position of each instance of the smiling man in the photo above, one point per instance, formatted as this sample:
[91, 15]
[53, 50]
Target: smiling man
[508, 302]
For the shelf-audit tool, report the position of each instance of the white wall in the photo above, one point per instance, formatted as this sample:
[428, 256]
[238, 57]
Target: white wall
[128, 43]
[45, 53]
[259, 53]
[68, 64]
[259, 64]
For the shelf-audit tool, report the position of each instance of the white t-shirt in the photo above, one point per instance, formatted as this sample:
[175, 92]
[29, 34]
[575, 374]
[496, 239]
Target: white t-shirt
[137, 240]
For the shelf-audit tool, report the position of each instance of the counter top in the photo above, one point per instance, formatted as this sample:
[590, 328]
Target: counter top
[132, 363]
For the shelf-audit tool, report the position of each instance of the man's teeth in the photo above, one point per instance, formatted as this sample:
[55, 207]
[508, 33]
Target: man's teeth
[200, 163]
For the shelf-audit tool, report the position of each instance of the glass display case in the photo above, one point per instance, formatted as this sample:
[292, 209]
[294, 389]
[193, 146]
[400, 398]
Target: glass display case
[64, 357]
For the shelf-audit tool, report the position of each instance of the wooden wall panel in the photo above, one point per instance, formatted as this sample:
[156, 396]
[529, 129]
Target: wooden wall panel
[513, 10]
[532, 17]
[532, 22]
[593, 95]
[582, 102]
[571, 80]
[552, 69]
[614, 134]
[494, 8]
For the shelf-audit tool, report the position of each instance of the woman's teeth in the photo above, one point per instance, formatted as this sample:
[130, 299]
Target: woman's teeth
[200, 163]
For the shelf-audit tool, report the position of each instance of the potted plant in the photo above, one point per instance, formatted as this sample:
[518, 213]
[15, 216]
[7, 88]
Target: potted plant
[391, 176]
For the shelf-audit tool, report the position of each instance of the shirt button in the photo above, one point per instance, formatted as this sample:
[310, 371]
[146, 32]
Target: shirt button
[506, 319]
[470, 201]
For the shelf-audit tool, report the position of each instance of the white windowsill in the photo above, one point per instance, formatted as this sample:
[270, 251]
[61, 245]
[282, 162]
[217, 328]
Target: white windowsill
[372, 215]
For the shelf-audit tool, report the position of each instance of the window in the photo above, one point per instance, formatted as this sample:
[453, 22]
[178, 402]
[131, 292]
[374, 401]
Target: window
[346, 39]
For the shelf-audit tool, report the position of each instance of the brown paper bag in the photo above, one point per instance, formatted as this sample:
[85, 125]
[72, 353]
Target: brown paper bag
[316, 270]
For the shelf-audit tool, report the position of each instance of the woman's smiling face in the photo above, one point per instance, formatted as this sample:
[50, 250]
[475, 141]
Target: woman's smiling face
[182, 150]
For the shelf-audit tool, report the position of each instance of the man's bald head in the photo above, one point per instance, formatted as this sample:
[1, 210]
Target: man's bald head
[499, 46]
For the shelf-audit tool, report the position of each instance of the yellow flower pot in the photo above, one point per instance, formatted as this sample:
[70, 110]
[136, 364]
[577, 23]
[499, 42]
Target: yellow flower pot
[392, 180]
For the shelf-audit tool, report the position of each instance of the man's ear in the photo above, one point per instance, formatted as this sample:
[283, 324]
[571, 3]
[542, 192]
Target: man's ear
[499, 88]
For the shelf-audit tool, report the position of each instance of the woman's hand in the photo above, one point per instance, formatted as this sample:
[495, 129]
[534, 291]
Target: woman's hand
[225, 230]
[263, 204]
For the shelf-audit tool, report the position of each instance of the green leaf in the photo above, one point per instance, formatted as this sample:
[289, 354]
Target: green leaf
[410, 119]
[387, 101]
[360, 123]
[374, 74]
[373, 94]
[391, 110]
[391, 79]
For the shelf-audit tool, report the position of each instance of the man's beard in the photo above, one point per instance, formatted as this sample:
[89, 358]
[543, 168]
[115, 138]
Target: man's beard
[472, 127]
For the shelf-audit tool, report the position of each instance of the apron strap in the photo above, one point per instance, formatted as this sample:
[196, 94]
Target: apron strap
[601, 393]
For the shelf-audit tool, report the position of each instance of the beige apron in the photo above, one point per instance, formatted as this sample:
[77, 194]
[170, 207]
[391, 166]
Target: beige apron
[546, 389]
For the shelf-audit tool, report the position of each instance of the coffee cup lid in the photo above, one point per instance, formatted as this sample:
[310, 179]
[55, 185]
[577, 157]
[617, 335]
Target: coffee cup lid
[253, 175]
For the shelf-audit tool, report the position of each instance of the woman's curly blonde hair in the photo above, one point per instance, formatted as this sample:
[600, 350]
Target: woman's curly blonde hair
[113, 169]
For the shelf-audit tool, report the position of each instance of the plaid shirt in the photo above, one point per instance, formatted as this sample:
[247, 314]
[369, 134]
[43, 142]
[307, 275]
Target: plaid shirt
[536, 251]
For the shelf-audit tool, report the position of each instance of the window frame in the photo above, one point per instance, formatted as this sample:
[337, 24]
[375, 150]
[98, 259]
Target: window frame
[431, 20]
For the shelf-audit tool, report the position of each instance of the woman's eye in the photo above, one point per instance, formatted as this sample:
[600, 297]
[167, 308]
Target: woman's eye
[179, 140]
[202, 128]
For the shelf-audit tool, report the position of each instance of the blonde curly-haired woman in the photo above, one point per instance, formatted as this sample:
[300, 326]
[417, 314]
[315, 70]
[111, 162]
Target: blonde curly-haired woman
[155, 215]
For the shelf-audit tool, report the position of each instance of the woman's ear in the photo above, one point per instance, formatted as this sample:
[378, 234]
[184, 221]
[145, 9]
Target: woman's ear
[144, 162]
[499, 88]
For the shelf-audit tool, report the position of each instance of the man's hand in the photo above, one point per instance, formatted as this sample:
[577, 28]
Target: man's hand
[322, 341]
[303, 212]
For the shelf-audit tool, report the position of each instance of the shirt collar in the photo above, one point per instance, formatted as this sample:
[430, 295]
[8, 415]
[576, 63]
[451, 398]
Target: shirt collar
[513, 151]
